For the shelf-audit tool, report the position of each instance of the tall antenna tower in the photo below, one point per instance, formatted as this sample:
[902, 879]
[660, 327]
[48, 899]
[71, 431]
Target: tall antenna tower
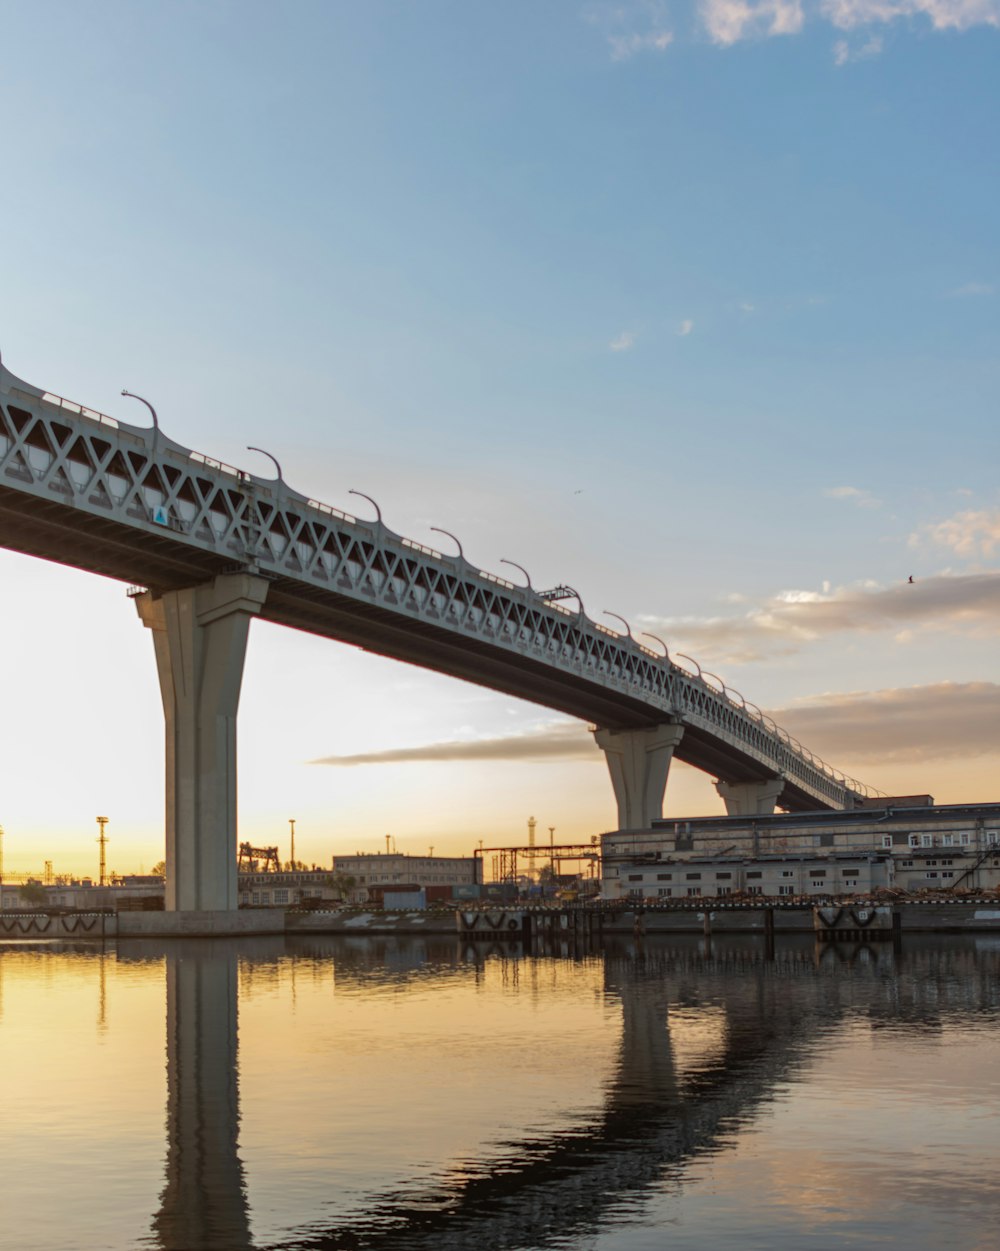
[102, 838]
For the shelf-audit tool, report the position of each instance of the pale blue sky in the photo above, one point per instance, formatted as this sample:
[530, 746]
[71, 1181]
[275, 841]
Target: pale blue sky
[689, 307]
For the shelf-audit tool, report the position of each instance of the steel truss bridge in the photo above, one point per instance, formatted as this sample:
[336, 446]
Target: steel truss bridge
[86, 490]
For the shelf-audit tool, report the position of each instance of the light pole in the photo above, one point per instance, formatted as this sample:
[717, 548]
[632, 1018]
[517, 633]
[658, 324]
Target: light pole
[291, 822]
[102, 838]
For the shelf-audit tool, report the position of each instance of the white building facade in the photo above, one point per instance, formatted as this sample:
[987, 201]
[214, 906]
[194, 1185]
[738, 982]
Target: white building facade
[912, 847]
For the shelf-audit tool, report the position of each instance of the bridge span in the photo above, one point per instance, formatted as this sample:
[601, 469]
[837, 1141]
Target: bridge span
[208, 547]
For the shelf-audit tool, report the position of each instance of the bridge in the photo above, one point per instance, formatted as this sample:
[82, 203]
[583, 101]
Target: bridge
[207, 547]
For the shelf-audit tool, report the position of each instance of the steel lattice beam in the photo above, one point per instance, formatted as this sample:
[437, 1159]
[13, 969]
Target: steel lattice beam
[83, 489]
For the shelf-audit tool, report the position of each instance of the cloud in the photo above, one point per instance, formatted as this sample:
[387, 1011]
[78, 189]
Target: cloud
[557, 740]
[970, 534]
[945, 720]
[973, 288]
[686, 326]
[858, 496]
[942, 14]
[785, 623]
[843, 53]
[623, 342]
[625, 46]
[729, 21]
[631, 29]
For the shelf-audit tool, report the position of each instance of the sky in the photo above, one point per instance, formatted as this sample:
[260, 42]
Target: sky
[691, 307]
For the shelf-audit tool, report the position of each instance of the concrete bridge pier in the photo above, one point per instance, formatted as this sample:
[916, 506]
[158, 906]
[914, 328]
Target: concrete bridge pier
[751, 799]
[639, 761]
[200, 639]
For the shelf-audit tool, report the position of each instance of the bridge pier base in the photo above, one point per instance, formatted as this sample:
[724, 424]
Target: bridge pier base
[200, 639]
[751, 799]
[639, 761]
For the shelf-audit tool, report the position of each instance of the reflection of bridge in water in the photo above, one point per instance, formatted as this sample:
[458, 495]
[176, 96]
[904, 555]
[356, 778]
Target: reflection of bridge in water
[658, 1114]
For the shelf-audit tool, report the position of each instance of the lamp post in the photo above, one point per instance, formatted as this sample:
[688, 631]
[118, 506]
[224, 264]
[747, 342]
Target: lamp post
[102, 839]
[291, 822]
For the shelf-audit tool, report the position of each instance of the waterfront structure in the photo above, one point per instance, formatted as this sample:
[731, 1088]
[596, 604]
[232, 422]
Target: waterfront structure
[909, 845]
[440, 877]
[83, 894]
[209, 547]
[287, 888]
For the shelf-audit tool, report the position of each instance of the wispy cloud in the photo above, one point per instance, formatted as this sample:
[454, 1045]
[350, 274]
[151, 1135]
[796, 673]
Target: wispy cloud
[729, 21]
[686, 326]
[791, 620]
[907, 724]
[623, 342]
[973, 288]
[942, 14]
[625, 46]
[854, 495]
[554, 740]
[972, 533]
[632, 28]
[843, 53]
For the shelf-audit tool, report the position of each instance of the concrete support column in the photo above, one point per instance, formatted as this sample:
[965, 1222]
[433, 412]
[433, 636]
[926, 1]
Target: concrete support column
[639, 761]
[751, 799]
[200, 639]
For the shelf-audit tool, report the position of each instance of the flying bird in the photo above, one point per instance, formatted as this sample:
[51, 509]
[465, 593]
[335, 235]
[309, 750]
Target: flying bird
[910, 579]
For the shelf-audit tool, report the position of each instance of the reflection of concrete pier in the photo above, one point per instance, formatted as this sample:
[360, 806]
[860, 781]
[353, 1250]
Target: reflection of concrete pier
[203, 1205]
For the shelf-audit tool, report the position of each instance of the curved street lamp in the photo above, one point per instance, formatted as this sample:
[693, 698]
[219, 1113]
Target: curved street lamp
[515, 565]
[361, 495]
[656, 638]
[152, 412]
[628, 628]
[448, 534]
[691, 658]
[273, 459]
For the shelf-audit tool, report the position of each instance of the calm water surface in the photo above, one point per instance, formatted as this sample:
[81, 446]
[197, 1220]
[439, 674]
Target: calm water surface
[324, 1093]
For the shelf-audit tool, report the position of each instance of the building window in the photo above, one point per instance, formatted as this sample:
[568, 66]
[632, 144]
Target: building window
[851, 872]
[755, 890]
[817, 872]
[665, 890]
[947, 861]
[754, 873]
[256, 897]
[785, 890]
[635, 892]
[914, 840]
[725, 890]
[926, 840]
[635, 877]
[932, 874]
[930, 864]
[281, 896]
[693, 877]
[948, 840]
[723, 877]
[963, 839]
[946, 874]
[886, 840]
[694, 890]
[787, 872]
[664, 877]
[906, 864]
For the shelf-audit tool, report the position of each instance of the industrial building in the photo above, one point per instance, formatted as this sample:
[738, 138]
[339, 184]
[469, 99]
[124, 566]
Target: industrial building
[909, 843]
[440, 877]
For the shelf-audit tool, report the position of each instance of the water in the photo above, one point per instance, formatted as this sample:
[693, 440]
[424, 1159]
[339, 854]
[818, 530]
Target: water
[404, 1094]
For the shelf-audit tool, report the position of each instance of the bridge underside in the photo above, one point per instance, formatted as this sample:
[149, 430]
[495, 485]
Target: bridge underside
[51, 530]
